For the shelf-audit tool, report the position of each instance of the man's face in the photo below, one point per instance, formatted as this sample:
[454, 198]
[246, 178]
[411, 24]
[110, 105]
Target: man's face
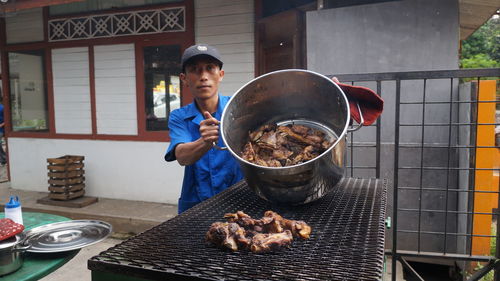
[203, 77]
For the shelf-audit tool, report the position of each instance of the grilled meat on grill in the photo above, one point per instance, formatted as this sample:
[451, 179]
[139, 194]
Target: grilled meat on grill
[281, 146]
[267, 242]
[266, 224]
[242, 220]
[270, 233]
[227, 235]
[298, 228]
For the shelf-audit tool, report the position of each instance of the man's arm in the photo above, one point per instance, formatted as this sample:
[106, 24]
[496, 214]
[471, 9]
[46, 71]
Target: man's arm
[190, 152]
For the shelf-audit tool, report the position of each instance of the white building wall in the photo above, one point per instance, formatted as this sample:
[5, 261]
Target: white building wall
[26, 26]
[228, 26]
[113, 169]
[72, 108]
[136, 170]
[116, 106]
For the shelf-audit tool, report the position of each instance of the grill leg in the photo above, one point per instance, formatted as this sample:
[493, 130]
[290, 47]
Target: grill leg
[408, 266]
[483, 271]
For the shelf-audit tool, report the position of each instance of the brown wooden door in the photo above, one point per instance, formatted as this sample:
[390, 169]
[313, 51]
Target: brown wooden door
[281, 42]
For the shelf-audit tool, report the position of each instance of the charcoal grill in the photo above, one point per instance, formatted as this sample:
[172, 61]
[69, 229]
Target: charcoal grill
[346, 243]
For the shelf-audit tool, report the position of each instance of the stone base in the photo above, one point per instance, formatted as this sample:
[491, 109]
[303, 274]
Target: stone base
[73, 203]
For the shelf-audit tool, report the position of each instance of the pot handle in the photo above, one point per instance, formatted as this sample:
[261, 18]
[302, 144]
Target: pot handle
[214, 145]
[21, 248]
[353, 129]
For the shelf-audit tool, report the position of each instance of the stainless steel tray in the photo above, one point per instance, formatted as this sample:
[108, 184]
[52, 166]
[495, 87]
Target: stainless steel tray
[66, 236]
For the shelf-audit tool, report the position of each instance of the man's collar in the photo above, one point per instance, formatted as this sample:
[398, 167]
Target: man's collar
[193, 112]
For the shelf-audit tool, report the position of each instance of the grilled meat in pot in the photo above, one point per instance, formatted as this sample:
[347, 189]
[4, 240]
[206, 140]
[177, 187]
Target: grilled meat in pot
[281, 146]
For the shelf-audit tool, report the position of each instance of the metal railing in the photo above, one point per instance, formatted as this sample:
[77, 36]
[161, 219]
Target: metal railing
[426, 141]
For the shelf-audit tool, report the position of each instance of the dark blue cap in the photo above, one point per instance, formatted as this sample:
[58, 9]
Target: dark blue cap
[200, 50]
[13, 203]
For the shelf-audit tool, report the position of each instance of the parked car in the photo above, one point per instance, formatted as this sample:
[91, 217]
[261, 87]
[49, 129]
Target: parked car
[160, 108]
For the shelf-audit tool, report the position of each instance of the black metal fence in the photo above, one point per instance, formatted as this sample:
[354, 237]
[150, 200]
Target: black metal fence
[435, 141]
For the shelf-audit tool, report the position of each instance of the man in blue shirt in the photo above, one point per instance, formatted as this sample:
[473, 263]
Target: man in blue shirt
[194, 129]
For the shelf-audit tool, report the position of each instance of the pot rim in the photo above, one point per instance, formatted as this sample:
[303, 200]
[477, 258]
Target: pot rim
[339, 138]
[9, 245]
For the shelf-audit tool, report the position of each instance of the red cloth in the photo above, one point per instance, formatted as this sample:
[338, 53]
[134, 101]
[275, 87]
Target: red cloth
[370, 103]
[9, 228]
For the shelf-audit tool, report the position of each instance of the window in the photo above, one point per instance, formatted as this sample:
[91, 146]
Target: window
[162, 85]
[28, 91]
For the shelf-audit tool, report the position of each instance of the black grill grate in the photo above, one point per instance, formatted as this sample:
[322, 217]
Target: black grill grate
[347, 240]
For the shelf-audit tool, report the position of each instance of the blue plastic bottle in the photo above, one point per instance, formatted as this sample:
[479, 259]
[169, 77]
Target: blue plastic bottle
[13, 210]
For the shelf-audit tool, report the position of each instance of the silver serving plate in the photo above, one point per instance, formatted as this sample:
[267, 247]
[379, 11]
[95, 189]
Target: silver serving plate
[66, 236]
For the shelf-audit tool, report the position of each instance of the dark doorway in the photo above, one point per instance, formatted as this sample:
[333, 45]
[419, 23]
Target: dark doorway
[281, 41]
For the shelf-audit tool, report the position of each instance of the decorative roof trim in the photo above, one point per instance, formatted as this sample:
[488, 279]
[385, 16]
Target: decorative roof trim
[172, 19]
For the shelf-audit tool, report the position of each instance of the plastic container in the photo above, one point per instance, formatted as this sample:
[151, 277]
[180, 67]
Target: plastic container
[13, 210]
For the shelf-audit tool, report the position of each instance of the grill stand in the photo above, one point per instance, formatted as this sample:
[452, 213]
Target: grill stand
[347, 241]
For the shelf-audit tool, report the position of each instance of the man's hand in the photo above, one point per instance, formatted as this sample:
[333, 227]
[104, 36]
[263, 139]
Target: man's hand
[335, 80]
[190, 152]
[209, 129]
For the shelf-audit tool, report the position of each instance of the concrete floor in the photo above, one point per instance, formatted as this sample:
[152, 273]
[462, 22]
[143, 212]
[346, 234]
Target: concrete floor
[76, 268]
[388, 268]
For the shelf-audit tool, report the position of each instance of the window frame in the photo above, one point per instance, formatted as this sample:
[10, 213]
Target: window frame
[184, 39]
[45, 86]
[186, 97]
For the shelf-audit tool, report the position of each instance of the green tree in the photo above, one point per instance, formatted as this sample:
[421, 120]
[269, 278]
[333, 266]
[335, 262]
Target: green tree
[479, 61]
[482, 48]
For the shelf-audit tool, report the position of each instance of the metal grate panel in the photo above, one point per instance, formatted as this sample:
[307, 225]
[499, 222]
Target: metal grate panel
[347, 240]
[441, 160]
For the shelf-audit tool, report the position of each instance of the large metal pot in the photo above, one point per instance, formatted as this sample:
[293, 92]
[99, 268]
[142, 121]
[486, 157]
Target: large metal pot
[284, 97]
[11, 254]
